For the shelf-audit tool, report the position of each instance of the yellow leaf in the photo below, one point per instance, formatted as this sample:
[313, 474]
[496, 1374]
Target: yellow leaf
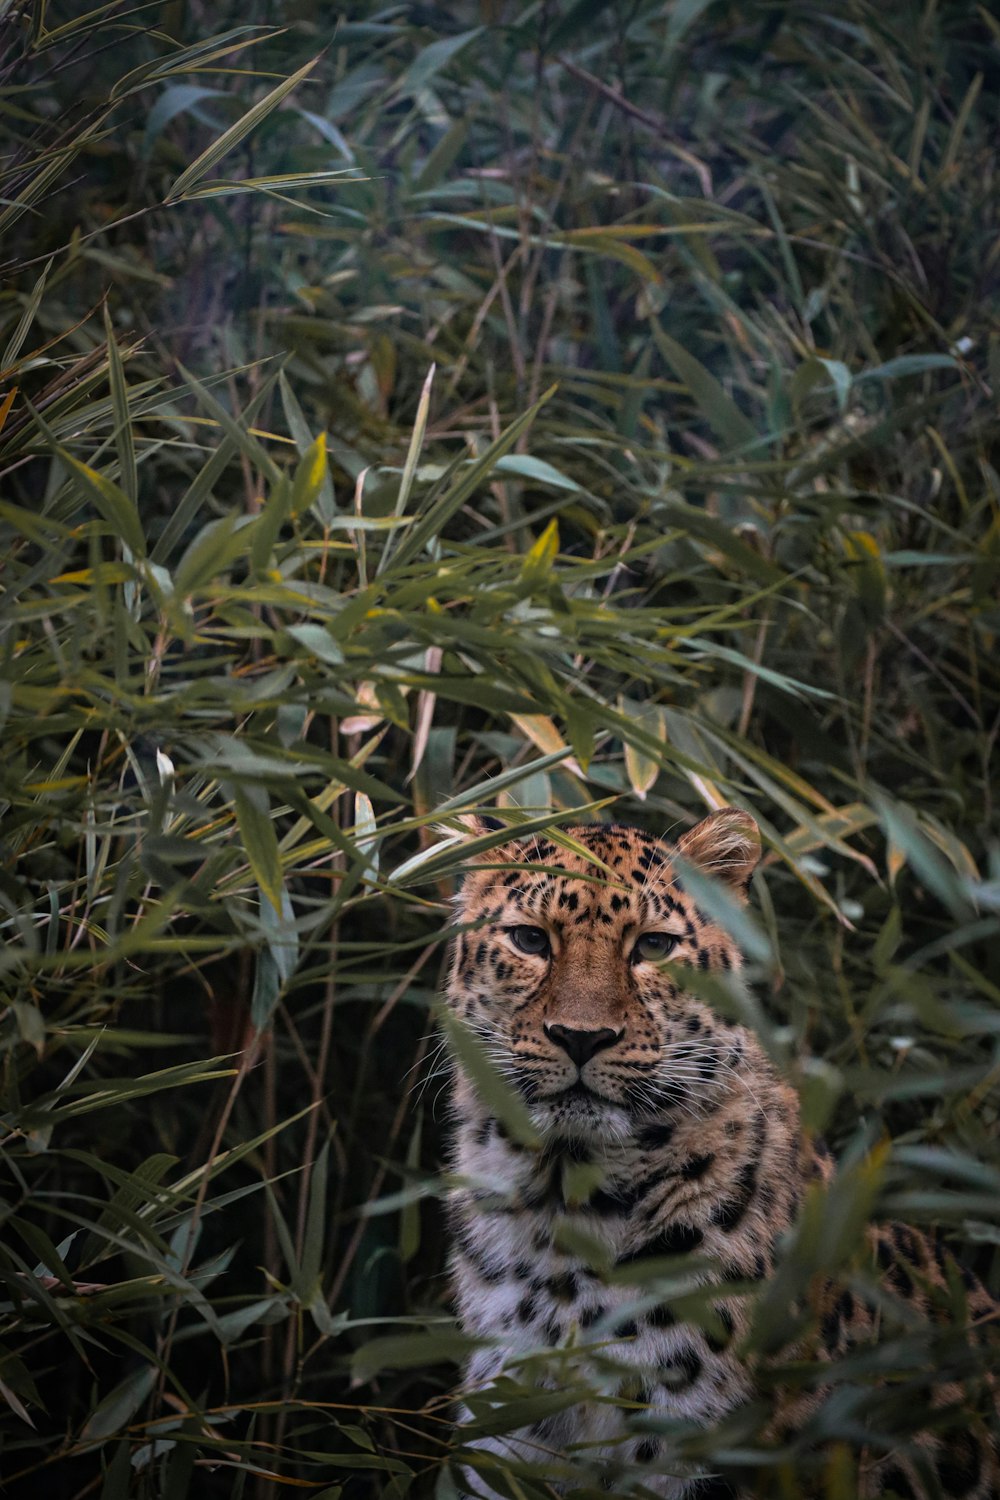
[543, 553]
[6, 404]
[643, 768]
[707, 791]
[309, 476]
[542, 733]
[859, 543]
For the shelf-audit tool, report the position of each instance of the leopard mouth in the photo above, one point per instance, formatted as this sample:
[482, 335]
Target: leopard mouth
[580, 1091]
[577, 1092]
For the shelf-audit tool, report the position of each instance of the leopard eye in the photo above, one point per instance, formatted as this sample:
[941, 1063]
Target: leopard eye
[652, 947]
[534, 940]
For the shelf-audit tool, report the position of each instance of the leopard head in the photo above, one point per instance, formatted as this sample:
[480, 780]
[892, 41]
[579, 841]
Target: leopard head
[558, 966]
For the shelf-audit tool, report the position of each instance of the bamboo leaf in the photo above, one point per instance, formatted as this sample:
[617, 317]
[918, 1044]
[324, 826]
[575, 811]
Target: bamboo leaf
[310, 476]
[915, 848]
[412, 458]
[17, 338]
[718, 409]
[111, 503]
[236, 133]
[123, 419]
[409, 1351]
[438, 514]
[523, 466]
[494, 1090]
[316, 1226]
[260, 842]
[432, 59]
[120, 1405]
[366, 835]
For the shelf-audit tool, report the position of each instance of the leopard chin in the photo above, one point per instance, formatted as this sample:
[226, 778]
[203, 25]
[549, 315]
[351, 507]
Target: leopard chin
[581, 1115]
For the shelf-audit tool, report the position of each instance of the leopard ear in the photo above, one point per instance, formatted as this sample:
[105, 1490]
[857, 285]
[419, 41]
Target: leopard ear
[476, 825]
[481, 823]
[465, 827]
[725, 844]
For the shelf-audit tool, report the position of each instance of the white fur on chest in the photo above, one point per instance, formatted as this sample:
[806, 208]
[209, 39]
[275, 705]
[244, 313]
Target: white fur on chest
[519, 1284]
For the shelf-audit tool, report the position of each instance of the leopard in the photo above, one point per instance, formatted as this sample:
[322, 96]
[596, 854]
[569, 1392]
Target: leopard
[661, 1134]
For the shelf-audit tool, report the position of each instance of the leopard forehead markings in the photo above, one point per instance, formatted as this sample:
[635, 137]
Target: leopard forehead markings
[692, 1136]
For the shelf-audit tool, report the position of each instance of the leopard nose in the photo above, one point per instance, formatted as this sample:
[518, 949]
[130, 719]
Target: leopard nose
[582, 1045]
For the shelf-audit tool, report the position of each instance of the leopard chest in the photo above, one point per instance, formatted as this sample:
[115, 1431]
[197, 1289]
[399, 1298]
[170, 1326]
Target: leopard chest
[519, 1283]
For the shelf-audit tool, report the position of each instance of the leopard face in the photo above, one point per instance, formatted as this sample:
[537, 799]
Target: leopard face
[560, 970]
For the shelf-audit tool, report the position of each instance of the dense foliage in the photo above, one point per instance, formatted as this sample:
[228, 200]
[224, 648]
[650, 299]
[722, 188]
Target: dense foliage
[571, 405]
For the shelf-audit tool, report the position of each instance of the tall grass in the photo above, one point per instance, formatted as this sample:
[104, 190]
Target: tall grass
[573, 407]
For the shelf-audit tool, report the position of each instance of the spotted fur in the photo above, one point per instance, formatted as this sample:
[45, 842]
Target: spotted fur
[673, 1136]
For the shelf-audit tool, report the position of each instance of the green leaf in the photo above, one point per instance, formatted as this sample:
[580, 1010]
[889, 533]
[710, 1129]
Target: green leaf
[715, 899]
[32, 304]
[119, 1474]
[260, 842]
[299, 428]
[202, 486]
[432, 59]
[496, 1093]
[409, 1218]
[236, 133]
[521, 1413]
[233, 1325]
[314, 1240]
[412, 458]
[909, 364]
[243, 440]
[123, 419]
[719, 410]
[537, 565]
[177, 98]
[318, 640]
[643, 768]
[710, 529]
[120, 1405]
[366, 835]
[216, 546]
[411, 1351]
[437, 515]
[682, 17]
[525, 467]
[90, 1097]
[278, 924]
[268, 525]
[111, 502]
[928, 865]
